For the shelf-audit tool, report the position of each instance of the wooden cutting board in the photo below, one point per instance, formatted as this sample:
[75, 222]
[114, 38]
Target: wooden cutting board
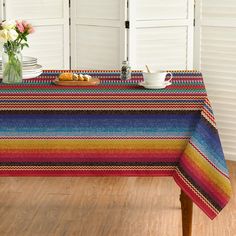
[92, 81]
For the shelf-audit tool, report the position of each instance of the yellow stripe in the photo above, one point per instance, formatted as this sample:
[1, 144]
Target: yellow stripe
[65, 144]
[214, 176]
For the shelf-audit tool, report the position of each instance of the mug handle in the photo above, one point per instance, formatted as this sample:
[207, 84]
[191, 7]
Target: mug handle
[171, 76]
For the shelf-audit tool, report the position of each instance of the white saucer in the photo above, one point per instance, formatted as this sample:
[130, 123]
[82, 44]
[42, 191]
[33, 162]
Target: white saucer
[155, 86]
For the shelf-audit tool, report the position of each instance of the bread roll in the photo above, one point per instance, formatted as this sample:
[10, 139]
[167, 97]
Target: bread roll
[66, 77]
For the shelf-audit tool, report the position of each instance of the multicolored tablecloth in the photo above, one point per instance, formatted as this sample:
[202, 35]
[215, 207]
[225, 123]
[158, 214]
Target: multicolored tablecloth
[115, 129]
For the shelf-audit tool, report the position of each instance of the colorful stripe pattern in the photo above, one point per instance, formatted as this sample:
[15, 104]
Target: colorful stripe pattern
[115, 129]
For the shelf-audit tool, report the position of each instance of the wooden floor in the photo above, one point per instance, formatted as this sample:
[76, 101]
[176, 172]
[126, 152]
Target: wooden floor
[103, 207]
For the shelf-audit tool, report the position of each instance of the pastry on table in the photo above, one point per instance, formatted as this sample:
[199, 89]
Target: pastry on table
[66, 77]
[84, 77]
[87, 77]
[73, 77]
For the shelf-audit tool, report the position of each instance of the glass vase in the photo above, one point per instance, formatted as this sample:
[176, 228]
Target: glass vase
[12, 65]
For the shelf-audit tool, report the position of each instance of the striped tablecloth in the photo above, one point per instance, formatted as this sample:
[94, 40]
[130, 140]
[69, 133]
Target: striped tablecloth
[115, 129]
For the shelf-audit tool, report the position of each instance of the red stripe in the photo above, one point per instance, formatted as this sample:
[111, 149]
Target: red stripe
[91, 106]
[95, 155]
[113, 93]
[97, 96]
[196, 199]
[100, 87]
[91, 173]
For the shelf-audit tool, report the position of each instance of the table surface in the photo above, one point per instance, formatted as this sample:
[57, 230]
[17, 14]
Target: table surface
[115, 129]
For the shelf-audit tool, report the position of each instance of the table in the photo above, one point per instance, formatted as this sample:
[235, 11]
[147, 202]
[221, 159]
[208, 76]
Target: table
[117, 129]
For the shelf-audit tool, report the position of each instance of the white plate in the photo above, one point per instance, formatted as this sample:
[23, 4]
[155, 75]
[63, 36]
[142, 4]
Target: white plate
[31, 73]
[156, 86]
[31, 76]
[26, 61]
[32, 68]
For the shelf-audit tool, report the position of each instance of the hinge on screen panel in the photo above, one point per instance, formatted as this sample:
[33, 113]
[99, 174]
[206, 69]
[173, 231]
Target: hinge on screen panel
[69, 21]
[127, 25]
[69, 3]
[3, 11]
[194, 22]
[70, 61]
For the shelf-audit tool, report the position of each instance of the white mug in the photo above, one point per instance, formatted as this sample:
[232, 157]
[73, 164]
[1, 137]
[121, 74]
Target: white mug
[156, 78]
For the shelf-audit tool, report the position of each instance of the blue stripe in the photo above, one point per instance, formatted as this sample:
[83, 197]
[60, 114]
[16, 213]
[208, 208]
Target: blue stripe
[109, 125]
[207, 140]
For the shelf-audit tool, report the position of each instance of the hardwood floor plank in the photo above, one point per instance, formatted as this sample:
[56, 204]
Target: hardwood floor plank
[103, 206]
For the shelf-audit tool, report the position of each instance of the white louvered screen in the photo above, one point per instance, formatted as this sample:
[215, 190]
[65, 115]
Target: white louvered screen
[161, 34]
[216, 42]
[50, 42]
[98, 34]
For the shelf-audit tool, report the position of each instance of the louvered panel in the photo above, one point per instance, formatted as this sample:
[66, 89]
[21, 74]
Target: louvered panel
[50, 42]
[227, 87]
[217, 62]
[36, 9]
[218, 8]
[98, 9]
[98, 37]
[229, 142]
[227, 104]
[229, 149]
[226, 133]
[161, 34]
[216, 76]
[222, 111]
[43, 46]
[229, 146]
[227, 125]
[221, 117]
[105, 43]
[229, 155]
[158, 9]
[222, 95]
[163, 47]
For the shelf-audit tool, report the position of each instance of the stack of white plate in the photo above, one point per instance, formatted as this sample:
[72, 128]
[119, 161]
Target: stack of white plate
[30, 68]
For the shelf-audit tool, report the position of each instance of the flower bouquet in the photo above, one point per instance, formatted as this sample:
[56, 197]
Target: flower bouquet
[13, 35]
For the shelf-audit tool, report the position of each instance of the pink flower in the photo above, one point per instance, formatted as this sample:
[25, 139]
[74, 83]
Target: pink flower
[25, 23]
[20, 26]
[30, 29]
[24, 27]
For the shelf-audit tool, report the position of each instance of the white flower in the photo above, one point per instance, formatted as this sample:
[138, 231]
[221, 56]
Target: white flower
[4, 35]
[9, 24]
[12, 35]
[8, 35]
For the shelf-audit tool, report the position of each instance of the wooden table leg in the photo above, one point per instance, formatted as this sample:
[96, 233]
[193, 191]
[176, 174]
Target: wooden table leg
[187, 214]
